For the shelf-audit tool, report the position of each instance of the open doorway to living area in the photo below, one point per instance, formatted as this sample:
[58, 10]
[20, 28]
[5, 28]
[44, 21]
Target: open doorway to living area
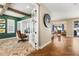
[76, 28]
[18, 28]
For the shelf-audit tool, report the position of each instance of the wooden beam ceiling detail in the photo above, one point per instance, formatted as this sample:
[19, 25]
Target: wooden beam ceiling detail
[17, 11]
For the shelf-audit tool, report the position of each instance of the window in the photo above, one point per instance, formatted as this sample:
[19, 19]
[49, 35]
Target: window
[10, 26]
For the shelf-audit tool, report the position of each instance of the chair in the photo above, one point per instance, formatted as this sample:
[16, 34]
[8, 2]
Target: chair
[63, 33]
[22, 37]
[59, 35]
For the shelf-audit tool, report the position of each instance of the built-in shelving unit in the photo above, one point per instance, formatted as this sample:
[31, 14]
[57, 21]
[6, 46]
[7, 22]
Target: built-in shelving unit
[2, 25]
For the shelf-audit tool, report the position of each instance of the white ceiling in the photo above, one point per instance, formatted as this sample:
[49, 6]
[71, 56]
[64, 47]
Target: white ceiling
[21, 7]
[63, 10]
[58, 10]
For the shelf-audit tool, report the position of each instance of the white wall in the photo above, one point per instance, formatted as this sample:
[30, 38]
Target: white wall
[63, 10]
[57, 15]
[45, 33]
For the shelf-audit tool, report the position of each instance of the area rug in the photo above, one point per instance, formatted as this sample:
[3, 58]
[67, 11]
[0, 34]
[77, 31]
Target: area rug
[11, 47]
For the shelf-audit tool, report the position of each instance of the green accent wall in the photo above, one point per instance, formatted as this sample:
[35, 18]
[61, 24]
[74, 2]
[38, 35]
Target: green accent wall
[8, 35]
[5, 17]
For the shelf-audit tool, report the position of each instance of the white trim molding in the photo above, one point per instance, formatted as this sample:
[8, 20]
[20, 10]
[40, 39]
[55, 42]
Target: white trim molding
[45, 45]
[8, 38]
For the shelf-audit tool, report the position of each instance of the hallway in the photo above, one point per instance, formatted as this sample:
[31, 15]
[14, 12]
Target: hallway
[67, 46]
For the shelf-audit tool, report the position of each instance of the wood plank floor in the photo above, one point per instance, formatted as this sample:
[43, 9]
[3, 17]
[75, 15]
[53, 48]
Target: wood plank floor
[11, 47]
[65, 47]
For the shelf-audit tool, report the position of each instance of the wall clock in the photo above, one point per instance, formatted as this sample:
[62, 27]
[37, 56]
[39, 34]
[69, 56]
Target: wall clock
[46, 20]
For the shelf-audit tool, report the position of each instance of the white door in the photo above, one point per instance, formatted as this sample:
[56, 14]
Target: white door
[32, 34]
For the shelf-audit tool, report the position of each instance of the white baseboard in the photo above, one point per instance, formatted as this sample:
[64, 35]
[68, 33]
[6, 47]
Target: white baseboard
[45, 44]
[8, 38]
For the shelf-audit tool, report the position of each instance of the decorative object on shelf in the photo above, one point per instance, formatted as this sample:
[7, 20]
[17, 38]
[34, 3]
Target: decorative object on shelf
[2, 25]
[2, 30]
[46, 20]
[2, 21]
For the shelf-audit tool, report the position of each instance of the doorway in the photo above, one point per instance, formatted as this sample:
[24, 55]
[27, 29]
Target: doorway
[30, 26]
[76, 28]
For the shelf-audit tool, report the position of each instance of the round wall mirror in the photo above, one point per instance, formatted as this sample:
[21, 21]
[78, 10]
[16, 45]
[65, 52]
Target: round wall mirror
[46, 20]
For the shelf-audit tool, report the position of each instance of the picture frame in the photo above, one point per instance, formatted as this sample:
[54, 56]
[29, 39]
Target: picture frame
[2, 30]
[2, 21]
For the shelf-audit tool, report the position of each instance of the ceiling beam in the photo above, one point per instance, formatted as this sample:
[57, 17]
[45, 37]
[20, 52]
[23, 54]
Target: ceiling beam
[17, 11]
[1, 6]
